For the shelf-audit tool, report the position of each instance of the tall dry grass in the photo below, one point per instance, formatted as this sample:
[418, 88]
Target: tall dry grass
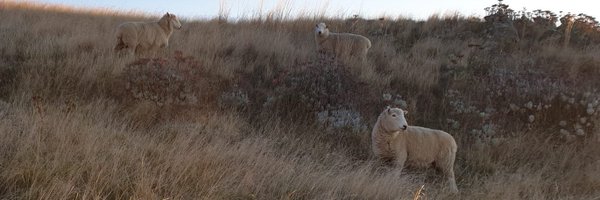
[69, 130]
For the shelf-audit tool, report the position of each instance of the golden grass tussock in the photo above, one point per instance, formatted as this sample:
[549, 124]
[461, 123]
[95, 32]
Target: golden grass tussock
[248, 110]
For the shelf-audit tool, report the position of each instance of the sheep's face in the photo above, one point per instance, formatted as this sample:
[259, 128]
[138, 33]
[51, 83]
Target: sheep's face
[321, 30]
[173, 21]
[393, 119]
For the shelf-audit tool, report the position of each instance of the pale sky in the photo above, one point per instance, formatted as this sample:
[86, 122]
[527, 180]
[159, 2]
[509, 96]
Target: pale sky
[418, 9]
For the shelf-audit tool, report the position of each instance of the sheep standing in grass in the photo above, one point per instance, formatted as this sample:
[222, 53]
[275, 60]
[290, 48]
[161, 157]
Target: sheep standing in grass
[393, 139]
[341, 44]
[146, 37]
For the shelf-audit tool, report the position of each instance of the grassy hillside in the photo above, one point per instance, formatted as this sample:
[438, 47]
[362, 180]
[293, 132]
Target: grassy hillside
[249, 110]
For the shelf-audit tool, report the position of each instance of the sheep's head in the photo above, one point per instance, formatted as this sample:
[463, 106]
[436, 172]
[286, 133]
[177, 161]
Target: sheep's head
[393, 120]
[321, 30]
[172, 19]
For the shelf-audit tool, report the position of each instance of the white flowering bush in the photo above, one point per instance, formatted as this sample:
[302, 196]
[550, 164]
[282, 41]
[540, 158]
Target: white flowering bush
[234, 99]
[178, 80]
[394, 100]
[341, 118]
[517, 100]
[313, 86]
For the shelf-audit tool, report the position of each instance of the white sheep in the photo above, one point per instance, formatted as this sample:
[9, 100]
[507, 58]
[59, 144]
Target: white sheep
[143, 37]
[341, 44]
[415, 146]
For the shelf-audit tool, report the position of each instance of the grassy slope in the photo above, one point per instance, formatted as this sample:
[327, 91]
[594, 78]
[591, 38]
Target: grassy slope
[66, 133]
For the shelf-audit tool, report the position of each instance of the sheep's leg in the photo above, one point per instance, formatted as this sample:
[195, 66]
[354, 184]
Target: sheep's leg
[152, 51]
[119, 50]
[363, 56]
[449, 174]
[129, 44]
[140, 52]
[119, 47]
[400, 160]
[128, 51]
[161, 51]
[125, 51]
[447, 167]
[451, 181]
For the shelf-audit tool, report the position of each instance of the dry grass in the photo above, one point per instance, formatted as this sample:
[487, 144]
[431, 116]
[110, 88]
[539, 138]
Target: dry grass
[69, 130]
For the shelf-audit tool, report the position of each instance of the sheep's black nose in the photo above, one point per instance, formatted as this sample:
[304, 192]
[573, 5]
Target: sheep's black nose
[319, 32]
[404, 127]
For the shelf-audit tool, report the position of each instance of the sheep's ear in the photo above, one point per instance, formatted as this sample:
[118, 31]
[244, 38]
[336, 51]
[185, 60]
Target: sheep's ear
[405, 112]
[388, 109]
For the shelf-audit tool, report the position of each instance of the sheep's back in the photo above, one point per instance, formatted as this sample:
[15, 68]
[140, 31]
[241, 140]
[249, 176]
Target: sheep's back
[353, 39]
[425, 145]
[143, 32]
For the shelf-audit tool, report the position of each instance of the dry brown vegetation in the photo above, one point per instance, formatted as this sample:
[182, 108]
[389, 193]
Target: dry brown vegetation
[248, 110]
